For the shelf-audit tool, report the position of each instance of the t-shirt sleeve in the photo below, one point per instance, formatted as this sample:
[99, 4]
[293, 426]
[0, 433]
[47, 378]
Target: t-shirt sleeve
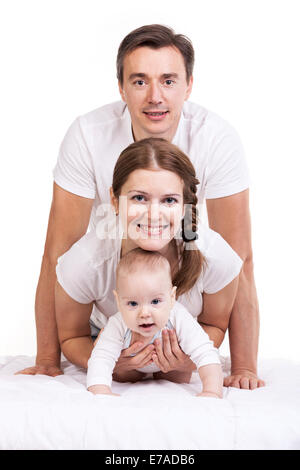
[77, 276]
[106, 352]
[222, 265]
[74, 169]
[227, 171]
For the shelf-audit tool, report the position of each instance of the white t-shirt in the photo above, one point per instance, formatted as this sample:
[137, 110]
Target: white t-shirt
[87, 272]
[191, 338]
[95, 140]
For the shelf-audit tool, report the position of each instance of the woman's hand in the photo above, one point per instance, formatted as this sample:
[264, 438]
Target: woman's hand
[125, 368]
[168, 355]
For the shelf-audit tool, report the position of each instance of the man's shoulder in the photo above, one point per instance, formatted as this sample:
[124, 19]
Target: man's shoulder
[105, 114]
[199, 116]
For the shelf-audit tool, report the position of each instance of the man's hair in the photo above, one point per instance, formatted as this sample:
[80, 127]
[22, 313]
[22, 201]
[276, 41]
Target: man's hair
[156, 36]
[142, 259]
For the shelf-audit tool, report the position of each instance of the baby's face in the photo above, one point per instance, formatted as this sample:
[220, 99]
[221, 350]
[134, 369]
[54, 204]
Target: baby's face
[145, 300]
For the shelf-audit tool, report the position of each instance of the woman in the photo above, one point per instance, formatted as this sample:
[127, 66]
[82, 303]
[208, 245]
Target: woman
[154, 198]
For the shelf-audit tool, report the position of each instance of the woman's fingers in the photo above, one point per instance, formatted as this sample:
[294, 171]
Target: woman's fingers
[177, 351]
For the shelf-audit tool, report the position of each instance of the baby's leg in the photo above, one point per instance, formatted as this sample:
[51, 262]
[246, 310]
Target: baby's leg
[176, 376]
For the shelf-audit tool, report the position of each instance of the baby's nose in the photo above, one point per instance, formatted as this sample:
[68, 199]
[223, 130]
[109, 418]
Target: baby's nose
[144, 313]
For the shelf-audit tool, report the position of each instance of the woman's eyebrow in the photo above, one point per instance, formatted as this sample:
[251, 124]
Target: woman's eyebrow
[143, 192]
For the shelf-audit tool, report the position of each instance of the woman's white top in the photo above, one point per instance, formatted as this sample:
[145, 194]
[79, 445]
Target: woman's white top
[87, 272]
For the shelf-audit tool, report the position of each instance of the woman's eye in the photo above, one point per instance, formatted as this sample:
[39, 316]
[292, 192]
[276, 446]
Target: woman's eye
[132, 303]
[156, 301]
[139, 198]
[170, 200]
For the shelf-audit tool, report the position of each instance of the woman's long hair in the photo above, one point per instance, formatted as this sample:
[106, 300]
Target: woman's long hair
[158, 153]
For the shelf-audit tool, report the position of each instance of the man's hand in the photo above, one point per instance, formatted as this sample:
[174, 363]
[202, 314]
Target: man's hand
[50, 370]
[244, 379]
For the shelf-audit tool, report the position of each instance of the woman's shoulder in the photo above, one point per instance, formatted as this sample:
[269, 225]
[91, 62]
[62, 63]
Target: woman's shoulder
[93, 250]
[86, 268]
[222, 264]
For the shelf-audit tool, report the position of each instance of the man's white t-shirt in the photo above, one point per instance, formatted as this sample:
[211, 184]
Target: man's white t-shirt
[87, 272]
[192, 339]
[95, 140]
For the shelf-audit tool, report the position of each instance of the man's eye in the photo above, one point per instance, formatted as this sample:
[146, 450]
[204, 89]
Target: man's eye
[169, 82]
[139, 82]
[132, 303]
[155, 301]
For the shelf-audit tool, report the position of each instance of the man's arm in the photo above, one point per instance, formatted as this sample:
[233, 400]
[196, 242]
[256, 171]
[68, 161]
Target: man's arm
[230, 217]
[68, 222]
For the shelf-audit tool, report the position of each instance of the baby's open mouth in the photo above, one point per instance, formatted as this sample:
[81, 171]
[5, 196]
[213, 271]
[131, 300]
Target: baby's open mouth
[146, 325]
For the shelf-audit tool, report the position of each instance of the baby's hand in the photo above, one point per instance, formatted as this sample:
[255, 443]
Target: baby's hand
[208, 394]
[102, 390]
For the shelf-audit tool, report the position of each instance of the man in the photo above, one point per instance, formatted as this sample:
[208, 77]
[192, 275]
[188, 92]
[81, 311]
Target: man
[154, 70]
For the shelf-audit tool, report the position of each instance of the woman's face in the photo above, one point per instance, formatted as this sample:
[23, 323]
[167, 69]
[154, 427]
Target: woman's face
[151, 208]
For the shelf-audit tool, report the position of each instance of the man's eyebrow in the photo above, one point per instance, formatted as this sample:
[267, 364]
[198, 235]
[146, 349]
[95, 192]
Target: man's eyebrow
[170, 75]
[144, 75]
[137, 75]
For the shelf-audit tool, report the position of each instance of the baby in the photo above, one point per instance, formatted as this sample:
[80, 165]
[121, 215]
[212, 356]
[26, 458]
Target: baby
[146, 301]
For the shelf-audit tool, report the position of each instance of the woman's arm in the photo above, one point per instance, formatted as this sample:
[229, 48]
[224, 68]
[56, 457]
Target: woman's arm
[73, 327]
[216, 311]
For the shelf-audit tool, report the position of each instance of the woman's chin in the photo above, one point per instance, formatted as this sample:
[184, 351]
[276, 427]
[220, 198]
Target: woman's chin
[152, 244]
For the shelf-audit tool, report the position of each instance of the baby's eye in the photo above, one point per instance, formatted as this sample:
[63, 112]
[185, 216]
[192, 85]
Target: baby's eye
[155, 301]
[132, 303]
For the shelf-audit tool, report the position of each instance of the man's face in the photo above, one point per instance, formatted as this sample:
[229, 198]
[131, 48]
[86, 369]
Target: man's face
[145, 299]
[155, 88]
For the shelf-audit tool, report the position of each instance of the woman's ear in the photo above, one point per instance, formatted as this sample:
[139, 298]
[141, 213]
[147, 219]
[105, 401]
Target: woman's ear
[114, 201]
[173, 295]
[117, 298]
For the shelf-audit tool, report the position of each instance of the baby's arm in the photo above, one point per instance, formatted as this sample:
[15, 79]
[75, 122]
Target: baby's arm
[104, 356]
[101, 390]
[212, 381]
[195, 342]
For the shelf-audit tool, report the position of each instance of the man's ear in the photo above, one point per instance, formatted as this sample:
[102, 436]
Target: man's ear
[114, 201]
[189, 88]
[122, 93]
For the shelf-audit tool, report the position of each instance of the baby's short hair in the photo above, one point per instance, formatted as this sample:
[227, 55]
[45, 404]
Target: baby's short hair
[139, 258]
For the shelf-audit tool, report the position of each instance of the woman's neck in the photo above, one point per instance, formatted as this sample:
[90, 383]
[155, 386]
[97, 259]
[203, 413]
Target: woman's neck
[170, 251]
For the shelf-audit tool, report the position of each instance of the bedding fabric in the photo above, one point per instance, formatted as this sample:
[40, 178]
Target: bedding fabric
[40, 412]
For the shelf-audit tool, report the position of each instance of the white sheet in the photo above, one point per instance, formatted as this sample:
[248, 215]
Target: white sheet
[39, 412]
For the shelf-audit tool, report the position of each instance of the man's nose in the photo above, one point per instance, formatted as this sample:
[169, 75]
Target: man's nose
[154, 94]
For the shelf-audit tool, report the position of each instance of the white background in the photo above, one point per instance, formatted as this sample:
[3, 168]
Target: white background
[58, 61]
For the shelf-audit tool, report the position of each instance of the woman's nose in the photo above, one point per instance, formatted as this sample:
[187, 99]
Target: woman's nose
[154, 213]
